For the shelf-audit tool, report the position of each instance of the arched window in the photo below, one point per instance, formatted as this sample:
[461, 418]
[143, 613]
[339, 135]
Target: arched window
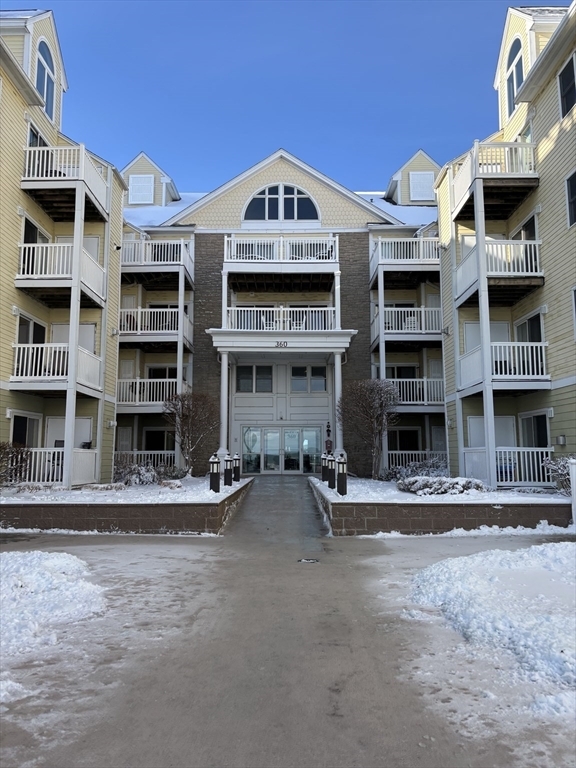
[45, 78]
[281, 202]
[514, 74]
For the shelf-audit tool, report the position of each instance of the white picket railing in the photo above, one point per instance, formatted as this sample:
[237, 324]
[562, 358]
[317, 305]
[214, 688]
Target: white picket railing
[89, 368]
[519, 359]
[413, 320]
[138, 320]
[516, 258]
[33, 362]
[46, 260]
[281, 319]
[523, 466]
[146, 252]
[147, 458]
[403, 458]
[419, 391]
[64, 164]
[92, 274]
[145, 391]
[188, 329]
[470, 366]
[412, 249]
[43, 465]
[466, 272]
[83, 466]
[281, 249]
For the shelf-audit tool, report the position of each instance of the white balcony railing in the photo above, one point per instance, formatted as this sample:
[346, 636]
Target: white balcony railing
[147, 458]
[84, 463]
[309, 249]
[153, 252]
[145, 391]
[476, 463]
[519, 360]
[46, 260]
[281, 319]
[470, 366]
[413, 320]
[38, 362]
[89, 368]
[419, 391]
[403, 458]
[61, 164]
[44, 465]
[138, 321]
[466, 272]
[415, 249]
[523, 466]
[92, 274]
[516, 258]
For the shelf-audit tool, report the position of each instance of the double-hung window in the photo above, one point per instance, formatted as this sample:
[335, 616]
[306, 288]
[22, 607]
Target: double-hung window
[571, 194]
[567, 85]
[514, 74]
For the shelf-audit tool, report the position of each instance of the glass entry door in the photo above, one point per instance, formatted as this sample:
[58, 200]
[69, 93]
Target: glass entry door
[271, 451]
[292, 450]
[281, 450]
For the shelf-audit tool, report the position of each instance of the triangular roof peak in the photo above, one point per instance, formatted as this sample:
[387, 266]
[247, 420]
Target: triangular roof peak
[282, 154]
[410, 159]
[143, 155]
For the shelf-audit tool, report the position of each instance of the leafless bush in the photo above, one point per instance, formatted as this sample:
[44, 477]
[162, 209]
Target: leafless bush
[195, 418]
[433, 467]
[14, 460]
[559, 470]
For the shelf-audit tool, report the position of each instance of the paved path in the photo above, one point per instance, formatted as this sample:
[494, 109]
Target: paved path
[292, 665]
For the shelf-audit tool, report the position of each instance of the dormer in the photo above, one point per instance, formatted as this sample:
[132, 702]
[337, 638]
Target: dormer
[413, 184]
[147, 183]
[32, 42]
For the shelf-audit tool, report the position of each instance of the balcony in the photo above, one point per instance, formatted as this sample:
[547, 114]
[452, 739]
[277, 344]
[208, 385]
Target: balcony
[145, 325]
[46, 465]
[514, 466]
[281, 319]
[512, 267]
[421, 253]
[48, 172]
[281, 249]
[46, 267]
[509, 174]
[46, 367]
[514, 364]
[144, 395]
[166, 256]
[419, 391]
[415, 321]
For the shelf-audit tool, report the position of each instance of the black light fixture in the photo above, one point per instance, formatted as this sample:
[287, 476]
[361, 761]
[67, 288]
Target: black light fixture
[342, 475]
[331, 471]
[236, 472]
[228, 461]
[214, 473]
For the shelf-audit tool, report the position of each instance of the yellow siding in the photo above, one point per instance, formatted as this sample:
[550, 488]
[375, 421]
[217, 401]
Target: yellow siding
[44, 28]
[418, 163]
[15, 44]
[541, 39]
[516, 28]
[144, 166]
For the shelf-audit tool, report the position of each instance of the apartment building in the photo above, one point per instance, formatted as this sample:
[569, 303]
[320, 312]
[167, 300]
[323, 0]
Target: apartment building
[507, 228]
[61, 210]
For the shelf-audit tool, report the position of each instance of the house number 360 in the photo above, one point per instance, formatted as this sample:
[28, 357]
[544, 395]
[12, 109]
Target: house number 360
[281, 343]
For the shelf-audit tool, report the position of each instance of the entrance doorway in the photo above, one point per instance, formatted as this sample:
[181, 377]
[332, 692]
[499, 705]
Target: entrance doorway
[281, 450]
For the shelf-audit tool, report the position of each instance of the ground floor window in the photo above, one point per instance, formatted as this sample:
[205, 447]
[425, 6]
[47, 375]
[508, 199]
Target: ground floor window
[308, 378]
[534, 430]
[254, 378]
[404, 439]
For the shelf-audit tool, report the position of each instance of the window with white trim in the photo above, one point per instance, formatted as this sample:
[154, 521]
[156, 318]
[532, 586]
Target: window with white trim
[514, 74]
[25, 430]
[308, 378]
[571, 195]
[141, 189]
[45, 78]
[567, 85]
[253, 378]
[281, 202]
[534, 430]
[421, 185]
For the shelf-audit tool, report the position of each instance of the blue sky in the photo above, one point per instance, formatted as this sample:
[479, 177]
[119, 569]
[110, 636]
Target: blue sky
[209, 88]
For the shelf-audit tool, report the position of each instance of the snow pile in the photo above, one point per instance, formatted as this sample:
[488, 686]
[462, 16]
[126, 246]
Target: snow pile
[39, 592]
[422, 485]
[542, 529]
[522, 602]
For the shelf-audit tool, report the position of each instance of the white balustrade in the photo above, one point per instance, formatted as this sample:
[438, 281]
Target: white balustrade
[404, 458]
[84, 464]
[466, 272]
[413, 249]
[34, 362]
[476, 463]
[142, 252]
[519, 359]
[523, 466]
[92, 274]
[147, 321]
[42, 465]
[470, 365]
[281, 319]
[413, 320]
[145, 391]
[89, 368]
[308, 249]
[516, 258]
[147, 458]
[419, 391]
[46, 260]
[504, 159]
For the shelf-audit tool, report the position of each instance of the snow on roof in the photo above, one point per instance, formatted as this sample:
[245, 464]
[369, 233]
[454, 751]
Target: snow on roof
[26, 14]
[541, 10]
[155, 215]
[408, 214]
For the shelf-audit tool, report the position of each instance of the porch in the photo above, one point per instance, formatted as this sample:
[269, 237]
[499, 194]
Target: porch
[46, 465]
[48, 364]
[146, 458]
[157, 324]
[514, 466]
[511, 362]
[144, 395]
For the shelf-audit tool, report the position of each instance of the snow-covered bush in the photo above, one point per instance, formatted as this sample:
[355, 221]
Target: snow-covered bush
[166, 472]
[128, 473]
[13, 463]
[433, 467]
[432, 486]
[559, 469]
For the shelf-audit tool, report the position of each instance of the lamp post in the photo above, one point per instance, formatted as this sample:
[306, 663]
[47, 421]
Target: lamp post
[342, 475]
[331, 471]
[228, 461]
[236, 473]
[214, 473]
[324, 460]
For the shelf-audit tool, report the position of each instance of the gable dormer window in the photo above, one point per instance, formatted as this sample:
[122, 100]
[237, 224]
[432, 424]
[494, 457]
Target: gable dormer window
[45, 78]
[514, 74]
[141, 189]
[281, 202]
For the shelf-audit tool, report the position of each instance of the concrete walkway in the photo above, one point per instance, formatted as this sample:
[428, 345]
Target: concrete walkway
[287, 665]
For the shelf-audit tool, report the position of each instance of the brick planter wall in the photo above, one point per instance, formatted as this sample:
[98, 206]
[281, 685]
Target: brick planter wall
[352, 519]
[127, 518]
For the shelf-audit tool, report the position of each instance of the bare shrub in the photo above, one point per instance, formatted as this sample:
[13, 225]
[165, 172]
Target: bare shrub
[195, 418]
[559, 470]
[14, 460]
[367, 408]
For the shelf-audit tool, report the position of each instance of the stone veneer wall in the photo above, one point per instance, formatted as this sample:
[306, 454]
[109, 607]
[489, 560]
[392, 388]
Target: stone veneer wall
[125, 518]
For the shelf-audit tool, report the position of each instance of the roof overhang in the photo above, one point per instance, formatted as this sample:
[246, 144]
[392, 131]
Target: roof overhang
[282, 342]
[21, 80]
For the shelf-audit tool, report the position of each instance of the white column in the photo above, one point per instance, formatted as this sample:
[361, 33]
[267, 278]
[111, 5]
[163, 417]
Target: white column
[339, 441]
[572, 468]
[224, 299]
[223, 449]
[70, 420]
[484, 309]
[180, 354]
[337, 299]
[382, 354]
[460, 435]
